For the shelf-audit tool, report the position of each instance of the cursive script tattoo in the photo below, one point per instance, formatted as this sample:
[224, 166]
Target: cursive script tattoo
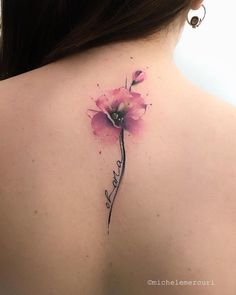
[117, 178]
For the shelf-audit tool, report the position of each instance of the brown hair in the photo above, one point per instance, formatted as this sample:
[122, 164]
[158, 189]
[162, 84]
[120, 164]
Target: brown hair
[39, 32]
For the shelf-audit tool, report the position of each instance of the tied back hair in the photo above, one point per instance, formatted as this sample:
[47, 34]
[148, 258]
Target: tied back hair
[35, 33]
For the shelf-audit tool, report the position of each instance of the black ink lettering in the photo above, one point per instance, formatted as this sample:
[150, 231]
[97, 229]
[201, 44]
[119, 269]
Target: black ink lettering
[117, 178]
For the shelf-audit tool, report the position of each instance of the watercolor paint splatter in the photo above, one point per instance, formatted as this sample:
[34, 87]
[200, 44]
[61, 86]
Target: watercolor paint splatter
[118, 111]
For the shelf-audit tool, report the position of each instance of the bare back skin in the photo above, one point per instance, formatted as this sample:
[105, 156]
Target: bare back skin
[175, 213]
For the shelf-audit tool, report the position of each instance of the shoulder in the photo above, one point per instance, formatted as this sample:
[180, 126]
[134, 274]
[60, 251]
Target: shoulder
[210, 116]
[217, 119]
[209, 133]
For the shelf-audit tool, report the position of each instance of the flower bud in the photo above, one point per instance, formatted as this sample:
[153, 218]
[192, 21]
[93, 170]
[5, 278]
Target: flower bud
[138, 77]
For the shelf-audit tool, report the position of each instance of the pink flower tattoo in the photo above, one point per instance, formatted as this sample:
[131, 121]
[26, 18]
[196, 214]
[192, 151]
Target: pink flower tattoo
[119, 110]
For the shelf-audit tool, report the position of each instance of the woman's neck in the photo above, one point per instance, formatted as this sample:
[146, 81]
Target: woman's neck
[154, 52]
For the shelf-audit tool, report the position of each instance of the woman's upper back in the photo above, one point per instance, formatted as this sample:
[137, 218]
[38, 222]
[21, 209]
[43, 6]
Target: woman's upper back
[175, 208]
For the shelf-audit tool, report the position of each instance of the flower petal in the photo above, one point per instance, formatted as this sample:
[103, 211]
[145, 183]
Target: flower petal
[104, 129]
[104, 103]
[112, 99]
[136, 112]
[134, 126]
[120, 96]
[138, 107]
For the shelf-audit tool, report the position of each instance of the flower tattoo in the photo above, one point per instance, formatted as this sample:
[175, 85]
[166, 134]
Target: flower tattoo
[119, 110]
